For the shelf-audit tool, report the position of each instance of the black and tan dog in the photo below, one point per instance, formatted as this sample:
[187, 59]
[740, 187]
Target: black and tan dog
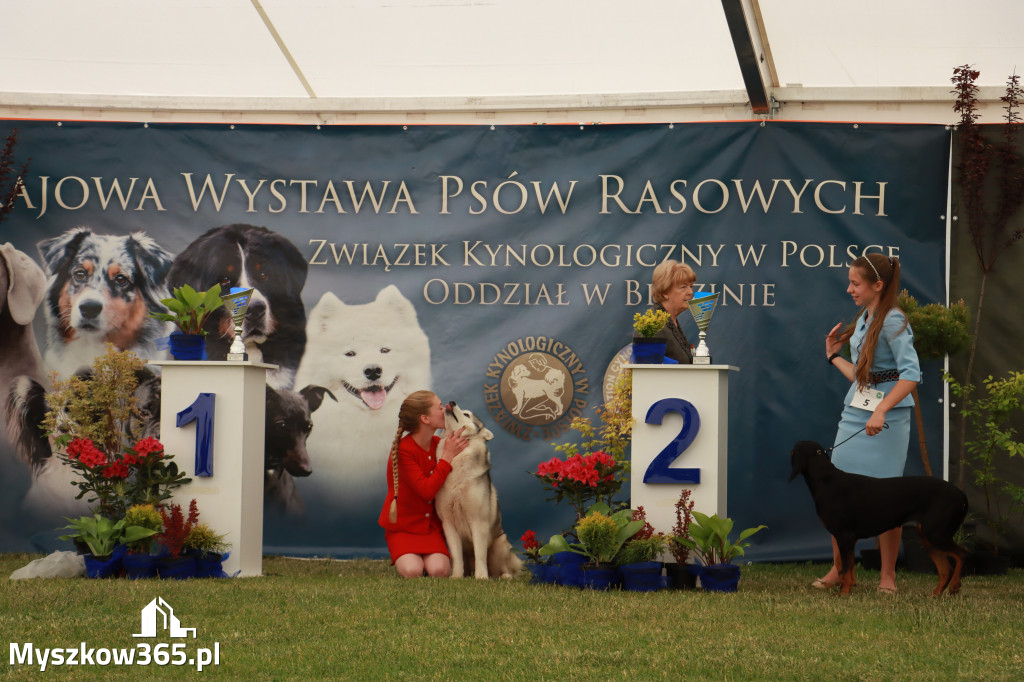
[852, 506]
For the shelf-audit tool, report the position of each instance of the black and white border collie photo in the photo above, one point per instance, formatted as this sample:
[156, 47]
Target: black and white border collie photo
[101, 289]
[248, 256]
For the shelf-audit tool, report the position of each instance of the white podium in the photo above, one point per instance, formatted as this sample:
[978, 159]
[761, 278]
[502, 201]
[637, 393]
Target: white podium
[686, 440]
[229, 399]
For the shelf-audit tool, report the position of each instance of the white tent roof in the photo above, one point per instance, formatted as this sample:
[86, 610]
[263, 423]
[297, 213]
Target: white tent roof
[360, 56]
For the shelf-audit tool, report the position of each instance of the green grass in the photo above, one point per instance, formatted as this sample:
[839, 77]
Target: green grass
[356, 620]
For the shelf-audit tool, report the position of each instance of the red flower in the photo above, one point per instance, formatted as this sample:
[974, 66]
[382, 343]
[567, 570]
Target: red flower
[90, 456]
[148, 446]
[529, 540]
[129, 458]
[117, 470]
[75, 447]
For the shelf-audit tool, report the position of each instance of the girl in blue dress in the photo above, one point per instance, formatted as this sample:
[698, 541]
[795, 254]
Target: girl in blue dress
[882, 358]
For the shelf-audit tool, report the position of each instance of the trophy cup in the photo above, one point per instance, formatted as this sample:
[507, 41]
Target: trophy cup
[236, 302]
[702, 307]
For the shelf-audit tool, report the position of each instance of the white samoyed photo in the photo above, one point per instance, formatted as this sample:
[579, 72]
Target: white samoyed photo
[371, 357]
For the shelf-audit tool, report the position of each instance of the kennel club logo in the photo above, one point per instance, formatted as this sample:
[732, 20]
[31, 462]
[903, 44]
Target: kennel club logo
[535, 386]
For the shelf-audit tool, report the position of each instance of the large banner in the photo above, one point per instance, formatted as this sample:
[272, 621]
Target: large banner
[471, 261]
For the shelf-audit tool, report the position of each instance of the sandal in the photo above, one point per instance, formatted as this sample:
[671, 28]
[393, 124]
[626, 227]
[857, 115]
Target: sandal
[820, 584]
[887, 590]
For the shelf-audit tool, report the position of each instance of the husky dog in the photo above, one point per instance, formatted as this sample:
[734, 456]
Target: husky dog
[468, 504]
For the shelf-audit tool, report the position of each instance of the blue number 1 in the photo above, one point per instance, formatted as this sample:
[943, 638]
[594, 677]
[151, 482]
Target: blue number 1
[201, 412]
[659, 470]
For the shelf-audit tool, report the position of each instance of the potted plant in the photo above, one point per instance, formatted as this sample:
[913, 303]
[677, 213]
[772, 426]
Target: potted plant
[139, 562]
[189, 311]
[174, 563]
[531, 552]
[679, 576]
[209, 549]
[93, 420]
[639, 560]
[648, 350]
[709, 541]
[601, 534]
[103, 536]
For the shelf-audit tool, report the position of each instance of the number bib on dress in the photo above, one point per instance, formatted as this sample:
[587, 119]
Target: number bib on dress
[867, 399]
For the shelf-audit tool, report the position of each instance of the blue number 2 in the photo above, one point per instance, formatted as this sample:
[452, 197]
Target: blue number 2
[659, 470]
[201, 412]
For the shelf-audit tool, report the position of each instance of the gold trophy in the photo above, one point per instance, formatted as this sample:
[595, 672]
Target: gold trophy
[237, 302]
[702, 307]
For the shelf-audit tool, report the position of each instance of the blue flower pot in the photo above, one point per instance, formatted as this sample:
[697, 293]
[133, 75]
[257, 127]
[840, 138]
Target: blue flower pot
[565, 568]
[600, 577]
[187, 346]
[649, 351]
[177, 568]
[719, 577]
[541, 573]
[138, 566]
[642, 577]
[210, 566]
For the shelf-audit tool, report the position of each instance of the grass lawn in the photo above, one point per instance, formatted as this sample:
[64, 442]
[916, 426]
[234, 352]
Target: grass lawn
[356, 620]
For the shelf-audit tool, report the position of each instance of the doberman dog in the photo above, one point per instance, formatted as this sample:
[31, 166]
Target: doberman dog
[852, 506]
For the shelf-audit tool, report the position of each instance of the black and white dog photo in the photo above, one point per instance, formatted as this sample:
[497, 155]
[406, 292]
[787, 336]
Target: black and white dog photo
[247, 256]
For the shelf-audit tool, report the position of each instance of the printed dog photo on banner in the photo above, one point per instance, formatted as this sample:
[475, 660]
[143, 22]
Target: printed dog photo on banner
[247, 256]
[500, 265]
[370, 356]
[101, 289]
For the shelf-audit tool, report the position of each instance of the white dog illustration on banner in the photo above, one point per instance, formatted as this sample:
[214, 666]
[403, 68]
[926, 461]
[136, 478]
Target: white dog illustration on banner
[371, 356]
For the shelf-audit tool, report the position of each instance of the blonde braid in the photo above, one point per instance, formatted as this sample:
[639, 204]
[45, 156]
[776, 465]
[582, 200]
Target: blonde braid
[393, 512]
[413, 407]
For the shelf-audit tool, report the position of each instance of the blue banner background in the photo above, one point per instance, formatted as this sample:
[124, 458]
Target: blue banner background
[770, 323]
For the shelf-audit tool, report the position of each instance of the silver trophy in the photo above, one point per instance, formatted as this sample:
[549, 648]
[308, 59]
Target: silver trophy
[236, 302]
[702, 307]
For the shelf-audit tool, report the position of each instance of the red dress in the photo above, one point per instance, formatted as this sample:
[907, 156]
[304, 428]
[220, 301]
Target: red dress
[420, 475]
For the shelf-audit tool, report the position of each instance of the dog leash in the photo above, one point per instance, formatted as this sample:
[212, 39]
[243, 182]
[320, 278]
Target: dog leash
[884, 426]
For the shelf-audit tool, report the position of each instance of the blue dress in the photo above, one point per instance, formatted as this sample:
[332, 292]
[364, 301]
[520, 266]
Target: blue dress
[883, 455]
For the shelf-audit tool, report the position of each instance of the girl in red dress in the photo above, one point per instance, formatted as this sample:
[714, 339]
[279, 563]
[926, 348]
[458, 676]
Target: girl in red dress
[415, 474]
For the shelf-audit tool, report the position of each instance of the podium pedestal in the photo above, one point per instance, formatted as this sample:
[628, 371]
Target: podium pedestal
[692, 404]
[231, 499]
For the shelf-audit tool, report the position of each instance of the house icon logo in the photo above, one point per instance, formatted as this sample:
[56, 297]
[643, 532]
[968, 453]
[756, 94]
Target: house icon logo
[159, 613]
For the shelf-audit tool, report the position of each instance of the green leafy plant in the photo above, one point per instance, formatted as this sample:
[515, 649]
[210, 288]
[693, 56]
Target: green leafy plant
[938, 331]
[638, 550]
[601, 534]
[190, 309]
[995, 443]
[650, 322]
[103, 534]
[143, 516]
[205, 540]
[709, 539]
